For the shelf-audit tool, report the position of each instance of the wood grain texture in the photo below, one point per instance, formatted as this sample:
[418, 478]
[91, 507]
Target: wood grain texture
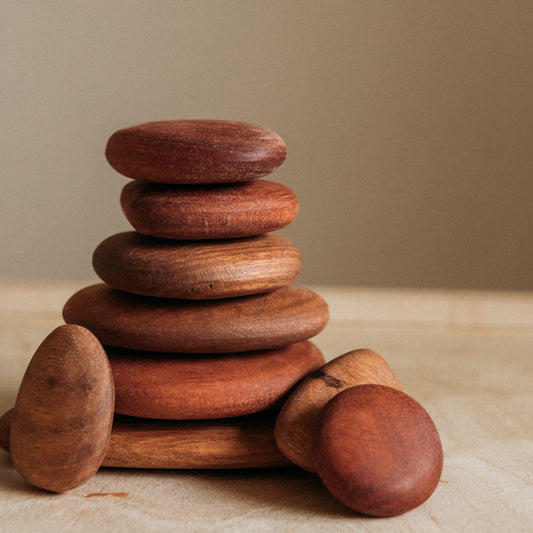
[196, 270]
[195, 151]
[177, 387]
[208, 211]
[257, 322]
[378, 451]
[299, 417]
[243, 442]
[61, 422]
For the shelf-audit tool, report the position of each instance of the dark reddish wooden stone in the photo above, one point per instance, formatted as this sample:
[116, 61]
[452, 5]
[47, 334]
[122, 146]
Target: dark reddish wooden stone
[197, 270]
[208, 211]
[378, 451]
[241, 442]
[195, 151]
[257, 322]
[174, 386]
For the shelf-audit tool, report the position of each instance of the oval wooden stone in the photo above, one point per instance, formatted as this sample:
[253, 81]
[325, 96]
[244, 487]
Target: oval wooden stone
[196, 270]
[61, 422]
[242, 442]
[174, 386]
[378, 451]
[299, 417]
[208, 211]
[195, 151]
[257, 322]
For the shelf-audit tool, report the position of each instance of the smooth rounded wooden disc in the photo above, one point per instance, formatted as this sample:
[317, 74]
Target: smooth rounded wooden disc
[257, 322]
[208, 211]
[196, 270]
[195, 151]
[174, 386]
[378, 451]
[299, 417]
[242, 442]
[61, 422]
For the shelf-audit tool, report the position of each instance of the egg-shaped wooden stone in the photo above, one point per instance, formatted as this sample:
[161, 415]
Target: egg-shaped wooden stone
[63, 414]
[378, 451]
[174, 386]
[195, 151]
[208, 211]
[257, 322]
[301, 413]
[197, 270]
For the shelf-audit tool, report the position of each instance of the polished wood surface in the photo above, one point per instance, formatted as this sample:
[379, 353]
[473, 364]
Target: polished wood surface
[173, 386]
[300, 415]
[257, 322]
[208, 211]
[61, 422]
[378, 451]
[195, 151]
[243, 442]
[197, 270]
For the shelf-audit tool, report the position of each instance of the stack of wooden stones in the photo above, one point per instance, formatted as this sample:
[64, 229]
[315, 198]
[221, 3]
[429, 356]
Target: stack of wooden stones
[204, 331]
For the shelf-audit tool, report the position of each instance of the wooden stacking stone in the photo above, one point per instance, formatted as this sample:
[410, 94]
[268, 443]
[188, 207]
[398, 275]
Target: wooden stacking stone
[208, 211]
[300, 415]
[195, 151]
[196, 270]
[173, 386]
[257, 322]
[377, 450]
[242, 442]
[61, 423]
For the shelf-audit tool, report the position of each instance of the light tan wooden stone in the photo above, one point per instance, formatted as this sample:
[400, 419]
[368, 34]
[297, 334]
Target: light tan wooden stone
[180, 387]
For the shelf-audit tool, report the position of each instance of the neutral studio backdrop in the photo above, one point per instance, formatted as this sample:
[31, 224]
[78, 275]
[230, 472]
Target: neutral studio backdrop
[409, 127]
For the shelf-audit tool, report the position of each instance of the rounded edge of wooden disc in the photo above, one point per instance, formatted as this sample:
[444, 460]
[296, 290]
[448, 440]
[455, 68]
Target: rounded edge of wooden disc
[197, 212]
[208, 386]
[196, 270]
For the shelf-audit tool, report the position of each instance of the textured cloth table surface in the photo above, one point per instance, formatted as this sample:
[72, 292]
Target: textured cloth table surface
[470, 366]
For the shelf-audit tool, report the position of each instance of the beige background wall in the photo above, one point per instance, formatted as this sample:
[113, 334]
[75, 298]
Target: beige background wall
[409, 126]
